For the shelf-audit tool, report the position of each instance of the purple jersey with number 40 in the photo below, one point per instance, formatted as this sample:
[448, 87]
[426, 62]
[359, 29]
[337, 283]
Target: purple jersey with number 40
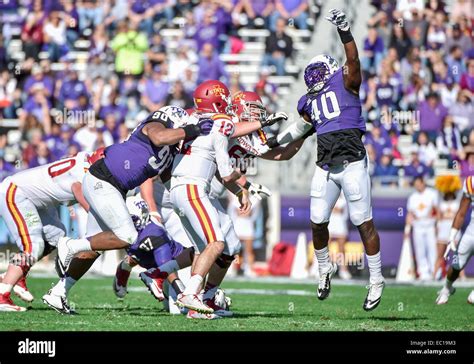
[137, 159]
[333, 108]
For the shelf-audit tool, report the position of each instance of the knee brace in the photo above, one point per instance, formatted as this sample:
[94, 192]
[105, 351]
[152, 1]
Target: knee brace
[224, 261]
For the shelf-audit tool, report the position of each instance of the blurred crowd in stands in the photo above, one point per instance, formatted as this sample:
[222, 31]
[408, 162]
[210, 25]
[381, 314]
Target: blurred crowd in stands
[128, 70]
[418, 64]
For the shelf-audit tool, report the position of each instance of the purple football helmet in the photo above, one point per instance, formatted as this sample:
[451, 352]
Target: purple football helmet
[318, 71]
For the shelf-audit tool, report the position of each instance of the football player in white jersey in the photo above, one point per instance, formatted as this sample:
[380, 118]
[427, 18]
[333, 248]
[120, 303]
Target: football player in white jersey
[194, 168]
[463, 249]
[28, 205]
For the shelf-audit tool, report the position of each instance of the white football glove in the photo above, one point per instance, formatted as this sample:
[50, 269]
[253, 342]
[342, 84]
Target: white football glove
[454, 236]
[52, 234]
[259, 191]
[275, 118]
[339, 19]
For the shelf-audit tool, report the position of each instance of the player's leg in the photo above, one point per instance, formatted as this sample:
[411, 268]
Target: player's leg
[440, 263]
[460, 258]
[201, 218]
[108, 207]
[24, 223]
[357, 191]
[219, 270]
[57, 296]
[324, 193]
[122, 274]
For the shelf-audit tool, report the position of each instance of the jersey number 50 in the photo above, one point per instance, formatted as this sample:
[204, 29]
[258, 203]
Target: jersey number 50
[328, 115]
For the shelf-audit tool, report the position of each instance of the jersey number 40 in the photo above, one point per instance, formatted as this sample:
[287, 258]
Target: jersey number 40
[328, 115]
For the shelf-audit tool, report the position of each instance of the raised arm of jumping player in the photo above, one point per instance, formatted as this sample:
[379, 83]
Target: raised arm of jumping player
[352, 74]
[352, 79]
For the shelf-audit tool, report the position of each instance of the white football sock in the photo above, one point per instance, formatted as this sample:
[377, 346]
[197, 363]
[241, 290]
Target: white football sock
[170, 266]
[322, 256]
[63, 286]
[5, 288]
[375, 268]
[448, 284]
[194, 285]
[79, 245]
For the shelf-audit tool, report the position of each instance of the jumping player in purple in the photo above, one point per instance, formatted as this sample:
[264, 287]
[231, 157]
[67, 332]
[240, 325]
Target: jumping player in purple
[148, 152]
[332, 107]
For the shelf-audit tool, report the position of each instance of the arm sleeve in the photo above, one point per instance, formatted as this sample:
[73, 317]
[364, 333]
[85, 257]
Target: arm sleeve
[294, 132]
[224, 165]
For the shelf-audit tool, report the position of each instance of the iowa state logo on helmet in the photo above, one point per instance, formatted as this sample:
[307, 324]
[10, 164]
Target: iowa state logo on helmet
[218, 90]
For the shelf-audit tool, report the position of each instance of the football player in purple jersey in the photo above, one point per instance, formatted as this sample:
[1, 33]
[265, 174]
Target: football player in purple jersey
[148, 152]
[332, 107]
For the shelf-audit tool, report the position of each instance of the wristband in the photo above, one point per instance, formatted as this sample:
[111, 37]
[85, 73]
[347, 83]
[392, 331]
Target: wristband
[407, 229]
[247, 185]
[346, 36]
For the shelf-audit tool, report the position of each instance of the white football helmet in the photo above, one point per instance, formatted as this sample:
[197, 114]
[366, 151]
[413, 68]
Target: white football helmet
[139, 212]
[177, 115]
[318, 71]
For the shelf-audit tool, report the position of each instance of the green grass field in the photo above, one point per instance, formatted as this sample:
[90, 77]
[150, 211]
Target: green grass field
[257, 306]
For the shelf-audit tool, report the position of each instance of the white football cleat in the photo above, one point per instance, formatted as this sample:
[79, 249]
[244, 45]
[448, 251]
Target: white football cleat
[193, 302]
[220, 304]
[374, 296]
[21, 290]
[470, 298]
[202, 316]
[7, 305]
[58, 303]
[443, 295]
[65, 255]
[324, 287]
[154, 279]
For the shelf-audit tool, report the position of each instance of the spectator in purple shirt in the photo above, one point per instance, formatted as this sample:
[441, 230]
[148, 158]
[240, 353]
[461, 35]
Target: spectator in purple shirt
[296, 10]
[207, 31]
[155, 90]
[384, 91]
[43, 156]
[114, 107]
[416, 167]
[60, 140]
[144, 12]
[432, 113]
[386, 172]
[253, 9]
[71, 90]
[373, 51]
[380, 140]
[210, 65]
[38, 82]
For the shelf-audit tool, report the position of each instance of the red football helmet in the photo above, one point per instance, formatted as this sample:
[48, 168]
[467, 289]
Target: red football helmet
[249, 106]
[212, 96]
